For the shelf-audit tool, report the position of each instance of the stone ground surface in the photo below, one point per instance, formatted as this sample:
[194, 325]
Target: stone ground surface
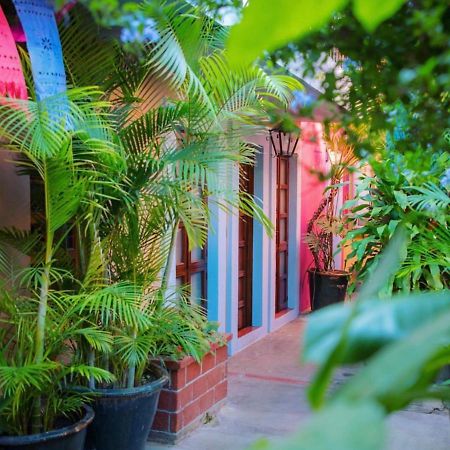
[267, 398]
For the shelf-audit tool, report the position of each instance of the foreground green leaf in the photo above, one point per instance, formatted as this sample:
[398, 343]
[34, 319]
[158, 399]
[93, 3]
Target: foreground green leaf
[291, 20]
[343, 426]
[396, 374]
[371, 13]
[267, 25]
[376, 323]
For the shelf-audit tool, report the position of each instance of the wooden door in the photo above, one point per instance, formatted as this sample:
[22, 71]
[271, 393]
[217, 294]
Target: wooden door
[282, 234]
[245, 254]
[191, 267]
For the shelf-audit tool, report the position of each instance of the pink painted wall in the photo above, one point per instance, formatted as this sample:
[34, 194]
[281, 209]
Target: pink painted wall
[313, 157]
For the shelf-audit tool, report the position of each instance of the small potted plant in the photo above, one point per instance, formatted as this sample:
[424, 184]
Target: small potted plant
[328, 285]
[36, 411]
[140, 326]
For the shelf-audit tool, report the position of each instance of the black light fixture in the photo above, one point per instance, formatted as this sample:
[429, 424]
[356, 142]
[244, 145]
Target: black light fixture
[282, 146]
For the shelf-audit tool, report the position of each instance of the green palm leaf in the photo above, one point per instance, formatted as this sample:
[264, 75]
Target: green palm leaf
[89, 54]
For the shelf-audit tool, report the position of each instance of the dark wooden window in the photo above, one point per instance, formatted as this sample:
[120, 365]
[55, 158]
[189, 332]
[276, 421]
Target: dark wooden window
[245, 254]
[282, 234]
[191, 267]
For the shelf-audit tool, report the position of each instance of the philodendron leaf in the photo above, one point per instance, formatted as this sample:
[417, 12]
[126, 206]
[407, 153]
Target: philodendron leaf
[341, 426]
[375, 324]
[403, 368]
[388, 264]
[402, 199]
[267, 25]
[372, 12]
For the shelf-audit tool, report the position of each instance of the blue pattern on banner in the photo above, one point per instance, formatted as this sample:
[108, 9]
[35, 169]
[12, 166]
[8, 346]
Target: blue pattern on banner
[39, 23]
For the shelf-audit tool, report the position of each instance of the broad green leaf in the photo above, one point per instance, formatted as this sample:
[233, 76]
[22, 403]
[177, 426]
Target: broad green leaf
[356, 232]
[362, 245]
[376, 211]
[341, 426]
[380, 230]
[376, 323]
[401, 198]
[318, 389]
[393, 224]
[359, 208]
[436, 274]
[372, 12]
[395, 374]
[267, 25]
[405, 283]
[388, 265]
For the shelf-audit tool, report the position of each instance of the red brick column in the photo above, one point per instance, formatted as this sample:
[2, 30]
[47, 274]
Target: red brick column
[195, 389]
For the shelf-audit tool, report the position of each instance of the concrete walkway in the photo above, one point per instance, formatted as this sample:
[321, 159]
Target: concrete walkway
[267, 399]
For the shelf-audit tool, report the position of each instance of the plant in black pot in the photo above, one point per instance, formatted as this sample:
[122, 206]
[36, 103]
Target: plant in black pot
[36, 411]
[328, 285]
[36, 327]
[141, 326]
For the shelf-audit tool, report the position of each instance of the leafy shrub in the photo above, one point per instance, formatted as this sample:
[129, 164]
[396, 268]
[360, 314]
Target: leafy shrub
[401, 191]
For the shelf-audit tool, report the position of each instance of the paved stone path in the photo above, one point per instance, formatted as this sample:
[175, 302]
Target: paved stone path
[267, 399]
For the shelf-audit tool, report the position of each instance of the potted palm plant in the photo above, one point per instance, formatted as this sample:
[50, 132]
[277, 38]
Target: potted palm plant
[36, 329]
[328, 285]
[140, 326]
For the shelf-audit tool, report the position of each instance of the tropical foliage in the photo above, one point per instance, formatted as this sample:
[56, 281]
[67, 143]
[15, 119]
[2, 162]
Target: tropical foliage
[383, 72]
[394, 196]
[181, 115]
[114, 175]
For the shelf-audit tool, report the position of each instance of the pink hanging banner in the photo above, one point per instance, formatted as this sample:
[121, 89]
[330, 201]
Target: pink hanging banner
[12, 81]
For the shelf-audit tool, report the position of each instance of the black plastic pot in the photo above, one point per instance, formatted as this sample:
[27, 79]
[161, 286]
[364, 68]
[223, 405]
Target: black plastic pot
[327, 288]
[71, 437]
[124, 417]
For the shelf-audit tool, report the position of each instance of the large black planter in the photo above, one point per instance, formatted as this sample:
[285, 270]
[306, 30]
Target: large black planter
[71, 437]
[124, 417]
[327, 288]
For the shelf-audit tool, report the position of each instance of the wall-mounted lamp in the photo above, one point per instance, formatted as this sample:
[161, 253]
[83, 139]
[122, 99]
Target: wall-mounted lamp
[282, 146]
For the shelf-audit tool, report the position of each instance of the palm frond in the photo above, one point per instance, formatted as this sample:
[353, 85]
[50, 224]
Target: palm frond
[135, 350]
[98, 339]
[89, 54]
[428, 197]
[86, 372]
[118, 303]
[22, 240]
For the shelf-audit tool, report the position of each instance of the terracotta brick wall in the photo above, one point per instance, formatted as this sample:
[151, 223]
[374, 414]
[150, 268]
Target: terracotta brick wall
[195, 389]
